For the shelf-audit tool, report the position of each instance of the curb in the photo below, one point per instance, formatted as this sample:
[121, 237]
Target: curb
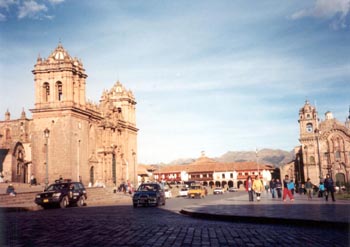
[268, 220]
[18, 209]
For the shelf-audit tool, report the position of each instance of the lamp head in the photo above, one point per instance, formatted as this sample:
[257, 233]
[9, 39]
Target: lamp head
[47, 132]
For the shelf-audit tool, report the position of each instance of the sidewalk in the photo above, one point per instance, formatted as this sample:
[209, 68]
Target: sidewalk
[301, 211]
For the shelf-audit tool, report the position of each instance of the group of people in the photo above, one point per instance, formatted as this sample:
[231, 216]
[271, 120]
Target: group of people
[256, 186]
[325, 188]
[126, 187]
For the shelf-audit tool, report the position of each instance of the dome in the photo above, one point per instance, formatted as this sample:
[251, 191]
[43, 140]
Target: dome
[329, 115]
[307, 108]
[60, 53]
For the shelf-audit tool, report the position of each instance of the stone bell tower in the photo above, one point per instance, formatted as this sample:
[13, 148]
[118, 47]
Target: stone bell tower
[309, 134]
[308, 120]
[60, 108]
[59, 81]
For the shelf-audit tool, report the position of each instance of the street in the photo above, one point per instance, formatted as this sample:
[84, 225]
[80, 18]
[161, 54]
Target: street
[123, 225]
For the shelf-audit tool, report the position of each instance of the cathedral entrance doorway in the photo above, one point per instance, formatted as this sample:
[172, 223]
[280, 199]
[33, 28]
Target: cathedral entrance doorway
[92, 175]
[21, 174]
[20, 166]
[340, 179]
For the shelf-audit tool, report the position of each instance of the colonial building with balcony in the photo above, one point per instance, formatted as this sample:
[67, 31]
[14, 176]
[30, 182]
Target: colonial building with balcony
[212, 173]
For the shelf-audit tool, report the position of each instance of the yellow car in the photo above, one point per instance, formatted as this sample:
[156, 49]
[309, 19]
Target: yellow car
[196, 191]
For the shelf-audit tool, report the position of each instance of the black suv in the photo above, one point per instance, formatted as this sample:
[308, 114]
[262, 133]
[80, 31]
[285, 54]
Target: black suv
[62, 194]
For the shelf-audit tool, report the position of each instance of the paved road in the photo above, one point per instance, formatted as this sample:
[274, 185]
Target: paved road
[126, 226]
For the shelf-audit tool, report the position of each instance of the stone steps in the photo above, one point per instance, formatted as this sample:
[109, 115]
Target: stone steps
[96, 196]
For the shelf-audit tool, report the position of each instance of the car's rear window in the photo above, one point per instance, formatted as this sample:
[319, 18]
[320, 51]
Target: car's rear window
[148, 187]
[57, 186]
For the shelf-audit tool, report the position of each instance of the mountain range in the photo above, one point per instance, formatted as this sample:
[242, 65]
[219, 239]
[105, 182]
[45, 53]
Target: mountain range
[275, 157]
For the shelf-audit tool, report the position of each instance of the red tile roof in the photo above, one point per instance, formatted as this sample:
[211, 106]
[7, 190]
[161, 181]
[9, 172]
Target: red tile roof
[204, 164]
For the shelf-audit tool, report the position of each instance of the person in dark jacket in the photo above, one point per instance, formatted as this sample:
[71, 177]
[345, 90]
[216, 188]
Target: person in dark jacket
[11, 190]
[329, 186]
[278, 188]
[273, 187]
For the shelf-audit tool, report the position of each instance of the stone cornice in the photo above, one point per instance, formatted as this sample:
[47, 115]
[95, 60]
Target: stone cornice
[89, 113]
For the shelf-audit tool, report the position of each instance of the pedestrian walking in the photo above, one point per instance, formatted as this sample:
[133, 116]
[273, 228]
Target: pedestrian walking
[267, 187]
[329, 186]
[249, 188]
[286, 190]
[308, 188]
[300, 188]
[258, 187]
[278, 188]
[321, 189]
[291, 186]
[273, 188]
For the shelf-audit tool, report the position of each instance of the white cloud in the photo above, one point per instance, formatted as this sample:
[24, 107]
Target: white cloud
[56, 1]
[31, 9]
[335, 9]
[6, 3]
[27, 9]
[2, 17]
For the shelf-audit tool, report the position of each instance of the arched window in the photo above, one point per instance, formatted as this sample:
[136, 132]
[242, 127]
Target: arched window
[59, 91]
[8, 134]
[312, 160]
[46, 91]
[337, 155]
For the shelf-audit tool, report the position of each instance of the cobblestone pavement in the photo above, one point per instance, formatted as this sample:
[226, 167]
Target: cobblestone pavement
[128, 226]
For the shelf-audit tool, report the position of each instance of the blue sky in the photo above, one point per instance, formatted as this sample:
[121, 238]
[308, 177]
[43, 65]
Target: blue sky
[215, 76]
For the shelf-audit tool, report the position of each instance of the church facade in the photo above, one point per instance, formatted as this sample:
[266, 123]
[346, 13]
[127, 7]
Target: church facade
[67, 135]
[324, 149]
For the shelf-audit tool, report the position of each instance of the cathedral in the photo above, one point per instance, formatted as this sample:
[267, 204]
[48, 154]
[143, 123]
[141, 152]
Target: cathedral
[324, 149]
[68, 136]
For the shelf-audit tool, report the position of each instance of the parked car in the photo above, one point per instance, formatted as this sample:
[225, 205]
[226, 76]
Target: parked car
[168, 193]
[62, 193]
[196, 191]
[218, 191]
[232, 189]
[149, 194]
[183, 191]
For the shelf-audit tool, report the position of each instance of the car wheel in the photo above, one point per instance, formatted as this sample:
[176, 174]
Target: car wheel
[158, 202]
[163, 203]
[64, 202]
[135, 205]
[81, 201]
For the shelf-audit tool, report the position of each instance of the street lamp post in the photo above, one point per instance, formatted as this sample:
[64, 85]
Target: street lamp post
[299, 171]
[114, 165]
[134, 157]
[256, 160]
[306, 161]
[47, 134]
[317, 132]
[78, 163]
